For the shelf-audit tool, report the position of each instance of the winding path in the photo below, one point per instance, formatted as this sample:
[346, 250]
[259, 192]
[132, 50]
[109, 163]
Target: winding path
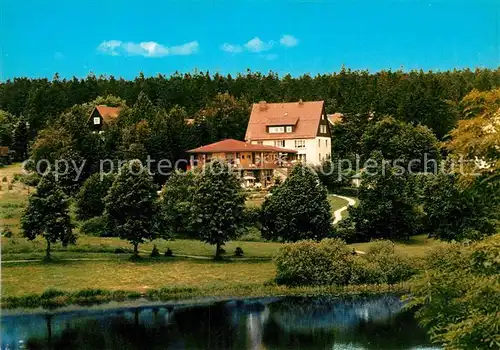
[338, 213]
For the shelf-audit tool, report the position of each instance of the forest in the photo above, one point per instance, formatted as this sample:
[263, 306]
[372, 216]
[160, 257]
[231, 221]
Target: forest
[421, 97]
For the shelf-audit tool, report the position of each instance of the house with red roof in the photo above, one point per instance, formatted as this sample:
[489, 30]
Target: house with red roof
[300, 126]
[255, 163]
[101, 115]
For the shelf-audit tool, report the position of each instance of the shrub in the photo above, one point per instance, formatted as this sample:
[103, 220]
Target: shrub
[251, 215]
[155, 252]
[310, 263]
[122, 251]
[345, 231]
[382, 264]
[31, 179]
[465, 288]
[238, 251]
[169, 253]
[252, 234]
[7, 231]
[366, 272]
[51, 293]
[97, 226]
[330, 262]
[4, 179]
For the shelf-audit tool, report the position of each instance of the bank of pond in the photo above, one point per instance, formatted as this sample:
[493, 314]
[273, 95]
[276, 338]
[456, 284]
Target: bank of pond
[349, 322]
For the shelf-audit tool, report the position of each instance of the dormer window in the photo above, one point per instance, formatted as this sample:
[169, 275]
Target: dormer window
[280, 129]
[276, 129]
[322, 129]
[97, 120]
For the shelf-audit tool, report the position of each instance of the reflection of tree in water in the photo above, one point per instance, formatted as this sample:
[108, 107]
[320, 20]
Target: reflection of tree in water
[288, 323]
[112, 332]
[398, 332]
[327, 312]
[320, 323]
[210, 327]
[274, 337]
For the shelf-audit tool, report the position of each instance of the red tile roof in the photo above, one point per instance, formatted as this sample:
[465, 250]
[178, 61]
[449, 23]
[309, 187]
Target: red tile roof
[108, 113]
[230, 145]
[306, 116]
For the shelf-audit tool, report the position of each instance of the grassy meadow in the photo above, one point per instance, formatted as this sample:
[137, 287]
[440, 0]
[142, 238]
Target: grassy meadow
[104, 262]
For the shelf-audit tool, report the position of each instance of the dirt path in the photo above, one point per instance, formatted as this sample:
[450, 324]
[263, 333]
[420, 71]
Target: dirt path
[338, 213]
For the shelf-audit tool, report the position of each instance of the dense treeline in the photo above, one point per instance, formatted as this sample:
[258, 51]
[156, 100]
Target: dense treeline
[417, 97]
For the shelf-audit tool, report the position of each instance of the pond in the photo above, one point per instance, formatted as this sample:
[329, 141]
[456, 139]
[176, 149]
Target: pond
[266, 323]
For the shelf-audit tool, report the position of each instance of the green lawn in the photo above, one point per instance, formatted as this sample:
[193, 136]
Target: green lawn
[122, 274]
[336, 202]
[20, 248]
[96, 265]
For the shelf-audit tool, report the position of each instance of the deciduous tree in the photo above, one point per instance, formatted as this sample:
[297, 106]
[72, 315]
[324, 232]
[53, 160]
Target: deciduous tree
[298, 209]
[176, 202]
[90, 199]
[131, 205]
[217, 210]
[47, 214]
[387, 204]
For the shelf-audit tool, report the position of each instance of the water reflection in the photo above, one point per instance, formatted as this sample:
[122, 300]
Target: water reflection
[284, 323]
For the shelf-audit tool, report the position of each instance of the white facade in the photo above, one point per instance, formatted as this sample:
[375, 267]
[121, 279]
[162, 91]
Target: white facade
[313, 151]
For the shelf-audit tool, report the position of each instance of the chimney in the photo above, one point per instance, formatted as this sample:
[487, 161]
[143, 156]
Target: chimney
[262, 105]
[301, 102]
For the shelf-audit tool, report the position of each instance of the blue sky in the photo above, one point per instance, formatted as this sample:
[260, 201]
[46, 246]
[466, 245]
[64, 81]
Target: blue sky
[122, 38]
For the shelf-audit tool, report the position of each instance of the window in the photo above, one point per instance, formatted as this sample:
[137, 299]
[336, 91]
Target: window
[300, 143]
[276, 129]
[322, 129]
[288, 129]
[260, 142]
[279, 143]
[320, 157]
[97, 120]
[319, 143]
[302, 158]
[326, 143]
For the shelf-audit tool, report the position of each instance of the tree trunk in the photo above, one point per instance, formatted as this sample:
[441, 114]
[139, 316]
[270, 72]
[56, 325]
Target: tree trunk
[136, 249]
[217, 251]
[47, 251]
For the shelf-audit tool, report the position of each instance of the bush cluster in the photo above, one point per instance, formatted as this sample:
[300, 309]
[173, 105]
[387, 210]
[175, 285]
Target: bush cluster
[96, 226]
[463, 282]
[330, 262]
[312, 263]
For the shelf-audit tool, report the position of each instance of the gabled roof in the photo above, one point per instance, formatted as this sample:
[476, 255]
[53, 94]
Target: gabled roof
[231, 145]
[306, 117]
[107, 113]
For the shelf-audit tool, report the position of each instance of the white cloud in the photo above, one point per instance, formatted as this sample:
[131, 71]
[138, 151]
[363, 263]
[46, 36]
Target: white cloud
[231, 48]
[109, 47]
[289, 41]
[257, 45]
[185, 49]
[146, 48]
